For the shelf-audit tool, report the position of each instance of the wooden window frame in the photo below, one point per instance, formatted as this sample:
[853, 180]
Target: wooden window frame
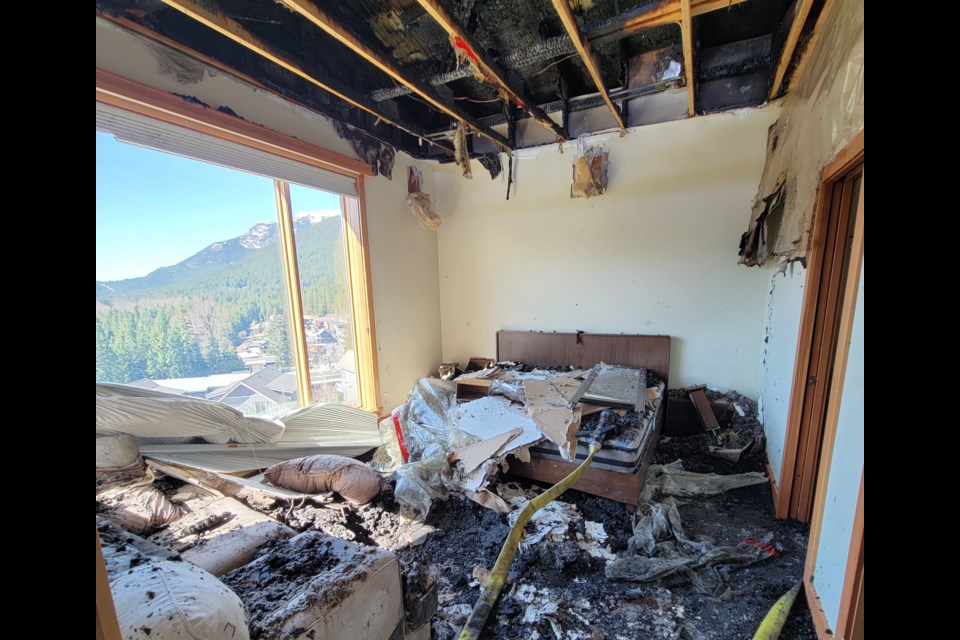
[138, 98]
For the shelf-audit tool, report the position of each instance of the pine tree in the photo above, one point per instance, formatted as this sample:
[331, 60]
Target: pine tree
[278, 340]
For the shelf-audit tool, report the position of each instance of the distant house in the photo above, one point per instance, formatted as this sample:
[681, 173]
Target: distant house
[348, 378]
[195, 387]
[327, 338]
[268, 393]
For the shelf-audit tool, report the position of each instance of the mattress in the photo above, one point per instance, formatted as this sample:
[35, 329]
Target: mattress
[622, 452]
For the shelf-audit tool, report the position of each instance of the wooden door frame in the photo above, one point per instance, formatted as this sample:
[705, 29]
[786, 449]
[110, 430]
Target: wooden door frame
[846, 160]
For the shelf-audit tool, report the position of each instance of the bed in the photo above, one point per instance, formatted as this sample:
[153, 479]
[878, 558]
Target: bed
[583, 350]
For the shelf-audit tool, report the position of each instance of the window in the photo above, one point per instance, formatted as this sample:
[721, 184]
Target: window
[235, 282]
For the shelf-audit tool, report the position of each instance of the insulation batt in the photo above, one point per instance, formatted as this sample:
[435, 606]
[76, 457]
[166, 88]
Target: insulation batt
[352, 479]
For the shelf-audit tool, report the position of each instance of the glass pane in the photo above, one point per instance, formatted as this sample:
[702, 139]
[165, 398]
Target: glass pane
[190, 295]
[325, 286]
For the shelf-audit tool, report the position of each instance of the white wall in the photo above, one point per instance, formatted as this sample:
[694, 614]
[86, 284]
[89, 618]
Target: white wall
[843, 486]
[406, 289]
[781, 330]
[656, 254]
[403, 257]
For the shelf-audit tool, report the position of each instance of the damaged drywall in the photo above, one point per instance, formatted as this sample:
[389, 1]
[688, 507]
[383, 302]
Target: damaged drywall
[821, 114]
[378, 155]
[589, 173]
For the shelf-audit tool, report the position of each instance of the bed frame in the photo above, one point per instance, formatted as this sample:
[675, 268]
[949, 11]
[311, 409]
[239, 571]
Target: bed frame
[584, 350]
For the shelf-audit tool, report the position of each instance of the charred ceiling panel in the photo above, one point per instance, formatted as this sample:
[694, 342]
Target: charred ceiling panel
[736, 49]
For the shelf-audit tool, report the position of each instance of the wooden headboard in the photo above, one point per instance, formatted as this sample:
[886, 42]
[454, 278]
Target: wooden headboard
[585, 350]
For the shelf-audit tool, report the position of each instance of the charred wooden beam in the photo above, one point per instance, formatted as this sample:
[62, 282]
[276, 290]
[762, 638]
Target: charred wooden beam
[802, 10]
[562, 8]
[610, 30]
[337, 31]
[490, 70]
[233, 30]
[686, 33]
[669, 13]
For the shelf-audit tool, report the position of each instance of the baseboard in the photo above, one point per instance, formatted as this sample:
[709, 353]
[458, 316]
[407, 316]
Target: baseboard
[774, 489]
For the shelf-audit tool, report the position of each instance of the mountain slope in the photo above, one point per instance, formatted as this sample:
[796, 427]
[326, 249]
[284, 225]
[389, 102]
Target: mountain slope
[236, 263]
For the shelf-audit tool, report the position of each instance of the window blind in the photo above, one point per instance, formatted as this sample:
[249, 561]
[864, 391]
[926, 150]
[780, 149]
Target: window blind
[144, 131]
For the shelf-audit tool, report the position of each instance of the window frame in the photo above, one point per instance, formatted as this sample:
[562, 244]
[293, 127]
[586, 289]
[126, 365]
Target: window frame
[123, 93]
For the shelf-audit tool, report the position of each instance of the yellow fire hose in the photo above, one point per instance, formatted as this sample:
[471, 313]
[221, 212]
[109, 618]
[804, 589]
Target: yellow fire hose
[773, 622]
[493, 585]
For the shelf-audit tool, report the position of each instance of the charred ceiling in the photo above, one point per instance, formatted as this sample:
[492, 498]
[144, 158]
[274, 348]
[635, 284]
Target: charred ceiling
[409, 72]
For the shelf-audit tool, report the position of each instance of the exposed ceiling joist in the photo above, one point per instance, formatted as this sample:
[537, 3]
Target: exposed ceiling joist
[790, 45]
[610, 30]
[330, 26]
[562, 8]
[686, 33]
[670, 12]
[146, 32]
[811, 41]
[487, 66]
[238, 33]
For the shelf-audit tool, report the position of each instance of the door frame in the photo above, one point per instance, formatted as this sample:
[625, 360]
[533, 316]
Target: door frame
[799, 436]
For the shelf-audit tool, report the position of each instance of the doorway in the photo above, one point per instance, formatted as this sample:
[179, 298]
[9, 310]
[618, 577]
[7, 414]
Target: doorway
[828, 265]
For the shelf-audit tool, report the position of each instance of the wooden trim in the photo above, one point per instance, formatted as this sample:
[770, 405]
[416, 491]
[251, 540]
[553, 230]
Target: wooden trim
[291, 279]
[332, 28]
[774, 488]
[357, 246]
[836, 384]
[793, 36]
[230, 28]
[108, 627]
[845, 160]
[854, 573]
[582, 46]
[160, 105]
[819, 616]
[821, 353]
[487, 66]
[686, 34]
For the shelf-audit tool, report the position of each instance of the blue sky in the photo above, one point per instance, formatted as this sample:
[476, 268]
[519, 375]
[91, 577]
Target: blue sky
[155, 209]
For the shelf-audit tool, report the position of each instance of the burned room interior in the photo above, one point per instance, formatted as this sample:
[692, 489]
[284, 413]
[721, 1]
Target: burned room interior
[546, 320]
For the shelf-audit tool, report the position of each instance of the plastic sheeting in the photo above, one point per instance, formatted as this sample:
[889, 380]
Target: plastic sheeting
[821, 114]
[659, 547]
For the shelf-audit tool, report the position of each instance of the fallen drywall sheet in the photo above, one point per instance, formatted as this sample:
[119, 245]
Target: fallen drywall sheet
[473, 455]
[494, 415]
[550, 409]
[823, 111]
